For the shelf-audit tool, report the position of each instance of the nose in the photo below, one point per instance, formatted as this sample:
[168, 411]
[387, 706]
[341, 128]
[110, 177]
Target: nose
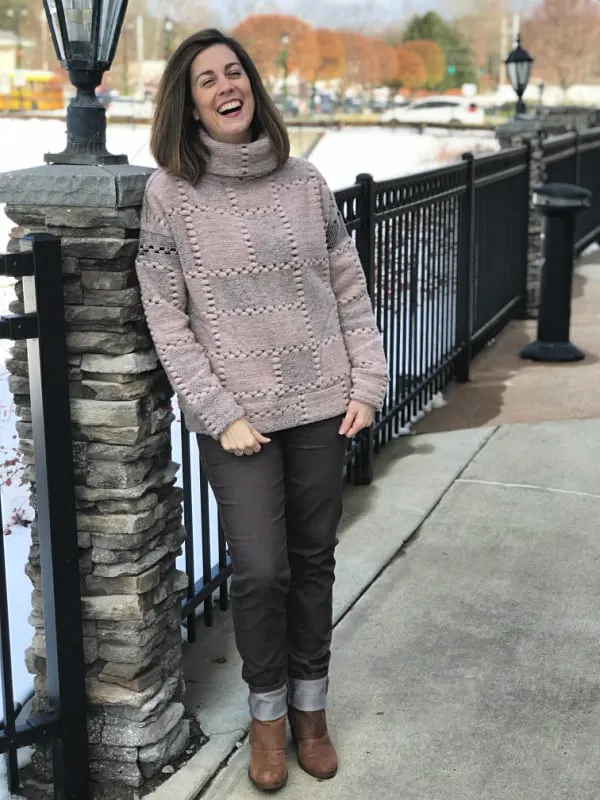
[225, 85]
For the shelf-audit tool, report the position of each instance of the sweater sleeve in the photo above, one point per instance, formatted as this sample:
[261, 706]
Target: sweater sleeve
[369, 374]
[206, 405]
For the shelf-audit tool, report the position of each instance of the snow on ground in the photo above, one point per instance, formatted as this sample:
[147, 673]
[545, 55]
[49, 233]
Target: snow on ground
[389, 153]
[340, 156]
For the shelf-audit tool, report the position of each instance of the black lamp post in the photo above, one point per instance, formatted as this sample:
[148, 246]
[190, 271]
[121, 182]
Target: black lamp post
[518, 68]
[168, 37]
[285, 55]
[85, 35]
[16, 17]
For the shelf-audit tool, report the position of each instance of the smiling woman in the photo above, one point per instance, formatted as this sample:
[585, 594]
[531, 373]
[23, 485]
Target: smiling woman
[208, 73]
[222, 94]
[258, 307]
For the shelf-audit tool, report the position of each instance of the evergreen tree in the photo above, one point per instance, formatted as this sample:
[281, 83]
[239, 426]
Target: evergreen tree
[459, 60]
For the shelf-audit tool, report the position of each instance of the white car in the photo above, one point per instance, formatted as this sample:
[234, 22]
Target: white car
[441, 110]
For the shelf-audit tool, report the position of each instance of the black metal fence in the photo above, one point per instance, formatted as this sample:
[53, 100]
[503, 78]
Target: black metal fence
[575, 158]
[64, 723]
[445, 257]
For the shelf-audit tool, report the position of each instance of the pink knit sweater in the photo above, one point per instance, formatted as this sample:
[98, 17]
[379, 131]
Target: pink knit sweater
[254, 294]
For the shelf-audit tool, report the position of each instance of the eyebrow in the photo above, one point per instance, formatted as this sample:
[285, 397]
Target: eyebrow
[212, 72]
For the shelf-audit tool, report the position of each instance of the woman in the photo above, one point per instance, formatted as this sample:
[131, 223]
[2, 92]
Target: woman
[258, 308]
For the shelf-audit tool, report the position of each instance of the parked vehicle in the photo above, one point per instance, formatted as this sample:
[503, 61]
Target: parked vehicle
[287, 107]
[31, 90]
[352, 105]
[442, 110]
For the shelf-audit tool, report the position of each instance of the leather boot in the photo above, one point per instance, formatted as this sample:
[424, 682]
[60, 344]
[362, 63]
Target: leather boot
[316, 753]
[267, 769]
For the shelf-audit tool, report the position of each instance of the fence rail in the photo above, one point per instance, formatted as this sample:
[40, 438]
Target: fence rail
[575, 158]
[63, 723]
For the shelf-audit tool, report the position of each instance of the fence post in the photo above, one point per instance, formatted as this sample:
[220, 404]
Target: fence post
[56, 516]
[464, 288]
[365, 243]
[577, 170]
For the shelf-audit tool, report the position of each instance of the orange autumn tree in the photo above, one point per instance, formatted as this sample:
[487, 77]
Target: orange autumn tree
[261, 35]
[411, 70]
[332, 57]
[362, 61]
[433, 57]
[388, 62]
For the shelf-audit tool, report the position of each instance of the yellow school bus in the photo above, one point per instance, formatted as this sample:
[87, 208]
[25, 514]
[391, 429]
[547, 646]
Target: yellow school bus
[31, 90]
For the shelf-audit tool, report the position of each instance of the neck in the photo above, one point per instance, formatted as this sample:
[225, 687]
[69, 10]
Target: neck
[250, 159]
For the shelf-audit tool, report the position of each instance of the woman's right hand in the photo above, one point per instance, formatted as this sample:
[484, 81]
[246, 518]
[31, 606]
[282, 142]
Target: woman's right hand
[241, 439]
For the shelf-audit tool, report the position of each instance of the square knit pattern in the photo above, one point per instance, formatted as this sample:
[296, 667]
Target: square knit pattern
[256, 299]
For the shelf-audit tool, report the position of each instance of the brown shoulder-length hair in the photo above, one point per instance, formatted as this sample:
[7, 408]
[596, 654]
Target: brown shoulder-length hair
[174, 140]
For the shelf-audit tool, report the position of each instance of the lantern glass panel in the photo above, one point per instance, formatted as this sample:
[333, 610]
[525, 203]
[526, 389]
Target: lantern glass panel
[110, 17]
[78, 17]
[523, 73]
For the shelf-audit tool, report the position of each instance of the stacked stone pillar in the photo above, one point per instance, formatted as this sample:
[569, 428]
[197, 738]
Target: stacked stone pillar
[128, 508]
[516, 134]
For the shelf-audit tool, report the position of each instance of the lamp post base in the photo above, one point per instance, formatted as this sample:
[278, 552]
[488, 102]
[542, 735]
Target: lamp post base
[86, 133]
[555, 352]
[73, 155]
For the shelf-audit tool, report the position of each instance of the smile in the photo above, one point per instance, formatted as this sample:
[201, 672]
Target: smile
[231, 109]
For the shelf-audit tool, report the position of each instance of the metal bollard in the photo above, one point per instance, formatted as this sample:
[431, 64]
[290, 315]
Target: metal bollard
[559, 203]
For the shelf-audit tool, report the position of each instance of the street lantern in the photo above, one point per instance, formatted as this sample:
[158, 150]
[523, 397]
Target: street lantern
[85, 35]
[285, 55]
[518, 68]
[168, 36]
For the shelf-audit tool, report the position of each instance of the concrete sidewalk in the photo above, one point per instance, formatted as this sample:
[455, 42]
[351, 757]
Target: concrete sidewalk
[469, 669]
[464, 662]
[504, 388]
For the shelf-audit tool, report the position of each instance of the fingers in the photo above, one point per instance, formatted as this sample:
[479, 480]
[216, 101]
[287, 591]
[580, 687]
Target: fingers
[243, 440]
[348, 420]
[360, 422]
[358, 416]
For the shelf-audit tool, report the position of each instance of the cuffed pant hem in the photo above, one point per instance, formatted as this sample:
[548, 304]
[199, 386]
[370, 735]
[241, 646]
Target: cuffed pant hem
[267, 706]
[307, 695]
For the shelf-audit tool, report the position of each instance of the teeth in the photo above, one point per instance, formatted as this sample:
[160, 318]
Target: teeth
[233, 104]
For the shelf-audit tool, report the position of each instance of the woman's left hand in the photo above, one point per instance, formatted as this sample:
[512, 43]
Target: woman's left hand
[358, 416]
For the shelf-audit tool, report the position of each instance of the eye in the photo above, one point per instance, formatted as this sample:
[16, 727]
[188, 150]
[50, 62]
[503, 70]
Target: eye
[208, 82]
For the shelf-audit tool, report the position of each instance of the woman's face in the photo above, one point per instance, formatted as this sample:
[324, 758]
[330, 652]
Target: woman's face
[222, 95]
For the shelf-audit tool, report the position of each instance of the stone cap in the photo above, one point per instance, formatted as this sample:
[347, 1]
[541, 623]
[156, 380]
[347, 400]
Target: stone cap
[561, 195]
[109, 186]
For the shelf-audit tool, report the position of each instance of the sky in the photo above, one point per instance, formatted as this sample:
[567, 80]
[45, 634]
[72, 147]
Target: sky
[353, 13]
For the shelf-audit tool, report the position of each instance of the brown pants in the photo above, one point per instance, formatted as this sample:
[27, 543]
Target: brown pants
[280, 510]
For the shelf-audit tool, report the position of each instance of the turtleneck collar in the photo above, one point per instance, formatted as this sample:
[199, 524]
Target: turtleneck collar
[253, 160]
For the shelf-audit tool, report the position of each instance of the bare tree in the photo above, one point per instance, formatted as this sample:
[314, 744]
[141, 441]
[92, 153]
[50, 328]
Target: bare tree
[481, 25]
[564, 37]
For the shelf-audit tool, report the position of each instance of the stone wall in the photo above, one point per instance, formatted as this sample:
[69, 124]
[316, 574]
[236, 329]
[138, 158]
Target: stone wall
[516, 134]
[128, 509]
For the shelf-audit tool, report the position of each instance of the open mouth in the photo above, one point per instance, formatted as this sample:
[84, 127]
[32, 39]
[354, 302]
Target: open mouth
[231, 109]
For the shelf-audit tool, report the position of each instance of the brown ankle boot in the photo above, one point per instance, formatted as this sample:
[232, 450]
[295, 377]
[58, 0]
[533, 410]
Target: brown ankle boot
[316, 753]
[267, 769]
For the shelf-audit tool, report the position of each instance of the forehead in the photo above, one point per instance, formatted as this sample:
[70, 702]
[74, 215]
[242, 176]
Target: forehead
[213, 59]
